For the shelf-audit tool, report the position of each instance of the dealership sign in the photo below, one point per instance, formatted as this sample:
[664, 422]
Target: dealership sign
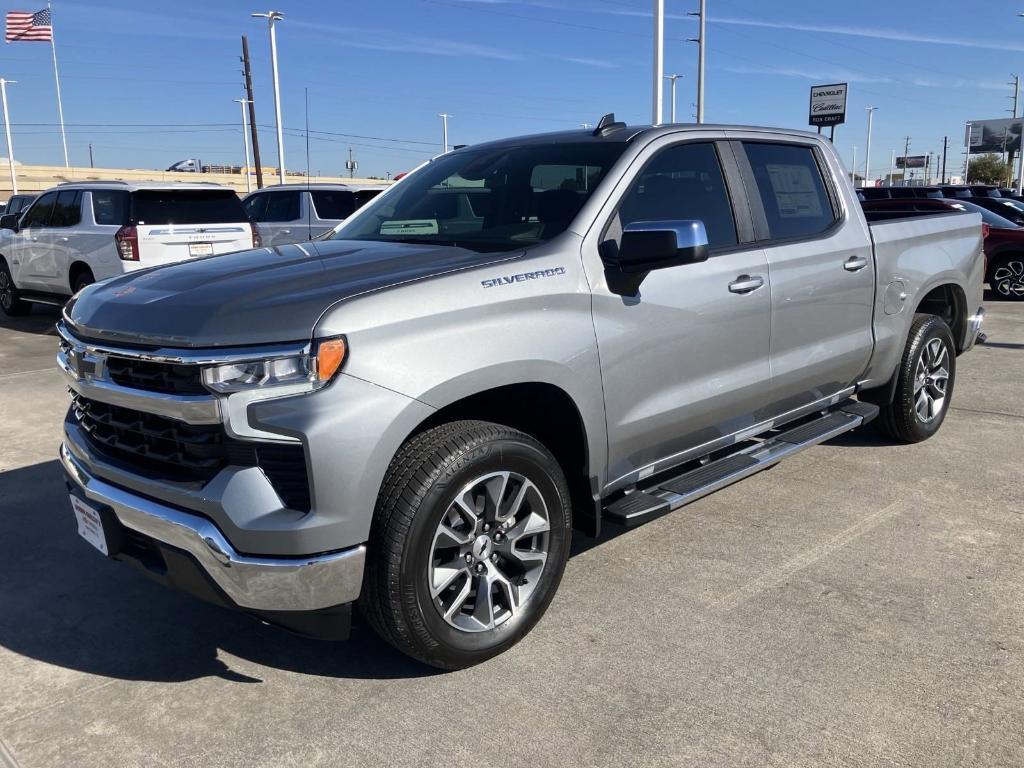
[828, 104]
[911, 161]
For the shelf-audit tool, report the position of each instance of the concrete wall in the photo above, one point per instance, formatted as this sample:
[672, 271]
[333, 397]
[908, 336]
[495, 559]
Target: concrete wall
[33, 178]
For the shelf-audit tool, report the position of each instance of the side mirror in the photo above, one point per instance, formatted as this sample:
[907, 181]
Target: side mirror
[649, 245]
[9, 221]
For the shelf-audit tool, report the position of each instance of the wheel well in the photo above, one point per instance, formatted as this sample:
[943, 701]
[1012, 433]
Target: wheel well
[78, 268]
[948, 302]
[547, 413]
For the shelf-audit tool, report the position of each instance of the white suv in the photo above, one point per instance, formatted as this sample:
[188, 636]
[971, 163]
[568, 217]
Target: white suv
[79, 233]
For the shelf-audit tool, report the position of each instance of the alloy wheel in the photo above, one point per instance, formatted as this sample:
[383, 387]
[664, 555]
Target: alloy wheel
[1008, 279]
[931, 380]
[6, 290]
[489, 551]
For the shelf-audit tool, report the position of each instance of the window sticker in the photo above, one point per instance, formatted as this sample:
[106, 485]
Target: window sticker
[795, 191]
[409, 227]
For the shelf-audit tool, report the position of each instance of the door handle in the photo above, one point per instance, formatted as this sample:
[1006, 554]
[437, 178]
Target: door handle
[855, 263]
[746, 284]
[64, 239]
[35, 239]
[286, 231]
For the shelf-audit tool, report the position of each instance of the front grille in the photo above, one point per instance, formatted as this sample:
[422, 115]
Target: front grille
[168, 378]
[166, 449]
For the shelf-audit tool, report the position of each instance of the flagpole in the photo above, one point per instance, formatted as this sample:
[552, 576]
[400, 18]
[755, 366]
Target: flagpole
[56, 78]
[7, 128]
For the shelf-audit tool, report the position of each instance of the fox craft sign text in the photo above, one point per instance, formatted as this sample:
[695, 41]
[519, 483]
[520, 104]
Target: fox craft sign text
[828, 104]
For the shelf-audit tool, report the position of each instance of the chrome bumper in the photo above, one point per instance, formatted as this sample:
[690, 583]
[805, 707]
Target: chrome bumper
[253, 583]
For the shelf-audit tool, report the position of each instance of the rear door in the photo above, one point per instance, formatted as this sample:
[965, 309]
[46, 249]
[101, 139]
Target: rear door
[177, 224]
[67, 213]
[31, 247]
[822, 270]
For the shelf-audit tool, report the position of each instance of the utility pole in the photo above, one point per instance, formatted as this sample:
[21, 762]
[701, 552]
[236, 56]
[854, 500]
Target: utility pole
[245, 146]
[945, 151]
[967, 155]
[657, 100]
[1016, 100]
[272, 17]
[90, 156]
[853, 168]
[701, 15]
[672, 95]
[867, 151]
[444, 130]
[252, 112]
[351, 164]
[7, 127]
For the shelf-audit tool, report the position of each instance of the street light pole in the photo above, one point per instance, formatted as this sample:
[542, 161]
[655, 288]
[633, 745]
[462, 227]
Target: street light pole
[892, 166]
[271, 17]
[701, 15]
[967, 155]
[245, 145]
[7, 127]
[657, 103]
[853, 168]
[444, 130]
[672, 95]
[867, 149]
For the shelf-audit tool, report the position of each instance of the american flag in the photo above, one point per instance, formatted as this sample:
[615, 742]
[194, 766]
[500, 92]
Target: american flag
[24, 25]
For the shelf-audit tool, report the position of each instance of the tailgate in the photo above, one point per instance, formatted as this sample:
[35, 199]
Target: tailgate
[167, 243]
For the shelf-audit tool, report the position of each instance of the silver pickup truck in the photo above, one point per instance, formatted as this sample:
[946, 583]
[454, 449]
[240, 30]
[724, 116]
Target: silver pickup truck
[521, 339]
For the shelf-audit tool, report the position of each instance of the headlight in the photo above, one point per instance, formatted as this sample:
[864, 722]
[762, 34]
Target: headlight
[309, 370]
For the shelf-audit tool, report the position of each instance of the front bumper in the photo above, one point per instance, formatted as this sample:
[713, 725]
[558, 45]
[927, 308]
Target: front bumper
[257, 584]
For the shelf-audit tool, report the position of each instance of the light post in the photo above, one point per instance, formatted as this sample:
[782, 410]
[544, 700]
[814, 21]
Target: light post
[672, 95]
[7, 127]
[272, 17]
[892, 166]
[867, 148]
[701, 15]
[245, 145]
[967, 155]
[853, 168]
[657, 100]
[444, 130]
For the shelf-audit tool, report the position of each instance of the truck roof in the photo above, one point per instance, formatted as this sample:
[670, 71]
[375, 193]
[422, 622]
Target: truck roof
[625, 133]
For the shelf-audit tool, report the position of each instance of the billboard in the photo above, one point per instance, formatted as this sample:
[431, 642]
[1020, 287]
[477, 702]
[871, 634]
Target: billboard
[828, 104]
[1001, 135]
[911, 161]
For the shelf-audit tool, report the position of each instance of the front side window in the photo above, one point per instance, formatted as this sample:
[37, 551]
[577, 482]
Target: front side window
[683, 182]
[792, 191]
[282, 206]
[39, 214]
[492, 199]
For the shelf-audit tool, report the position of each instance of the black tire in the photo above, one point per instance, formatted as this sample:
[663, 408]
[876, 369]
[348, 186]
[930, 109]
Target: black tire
[10, 297]
[1006, 278]
[82, 279]
[901, 419]
[419, 491]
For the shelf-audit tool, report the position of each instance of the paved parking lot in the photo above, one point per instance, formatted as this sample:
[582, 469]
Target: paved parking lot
[858, 605]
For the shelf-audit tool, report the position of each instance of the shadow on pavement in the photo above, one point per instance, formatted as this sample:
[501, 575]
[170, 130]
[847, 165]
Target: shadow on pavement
[40, 321]
[63, 603]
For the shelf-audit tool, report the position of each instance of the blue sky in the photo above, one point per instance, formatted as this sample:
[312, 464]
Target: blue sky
[150, 83]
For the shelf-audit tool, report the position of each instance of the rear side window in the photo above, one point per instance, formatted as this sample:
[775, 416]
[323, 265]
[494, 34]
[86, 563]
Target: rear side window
[282, 206]
[68, 210]
[110, 206]
[683, 182]
[39, 214]
[333, 204]
[789, 182]
[186, 206]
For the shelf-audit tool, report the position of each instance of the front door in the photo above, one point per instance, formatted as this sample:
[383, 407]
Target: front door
[685, 361]
[32, 247]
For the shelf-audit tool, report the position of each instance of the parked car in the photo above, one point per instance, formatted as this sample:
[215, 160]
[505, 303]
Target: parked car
[1010, 193]
[522, 338]
[1011, 210]
[886, 193]
[78, 233]
[1003, 243]
[969, 190]
[291, 213]
[18, 203]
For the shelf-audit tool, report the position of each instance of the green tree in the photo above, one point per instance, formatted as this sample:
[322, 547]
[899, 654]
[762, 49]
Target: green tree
[987, 169]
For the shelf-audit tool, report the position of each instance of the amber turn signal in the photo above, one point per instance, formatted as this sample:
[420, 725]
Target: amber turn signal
[330, 355]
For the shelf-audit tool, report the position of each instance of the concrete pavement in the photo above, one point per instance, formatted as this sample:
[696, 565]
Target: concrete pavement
[858, 605]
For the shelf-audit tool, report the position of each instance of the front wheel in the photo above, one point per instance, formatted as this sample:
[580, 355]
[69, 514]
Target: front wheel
[468, 544]
[924, 384]
[1007, 278]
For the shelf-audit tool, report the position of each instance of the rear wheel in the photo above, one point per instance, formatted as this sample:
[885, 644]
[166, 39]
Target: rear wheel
[81, 279]
[10, 298]
[1007, 278]
[924, 385]
[468, 544]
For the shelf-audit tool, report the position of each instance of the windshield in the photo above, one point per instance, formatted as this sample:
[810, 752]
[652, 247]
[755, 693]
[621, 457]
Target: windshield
[994, 220]
[500, 199]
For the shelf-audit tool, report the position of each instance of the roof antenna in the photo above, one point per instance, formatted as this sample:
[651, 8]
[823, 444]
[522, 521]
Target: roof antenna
[607, 125]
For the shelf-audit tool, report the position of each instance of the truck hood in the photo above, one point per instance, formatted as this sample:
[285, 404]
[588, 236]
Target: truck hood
[262, 296]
